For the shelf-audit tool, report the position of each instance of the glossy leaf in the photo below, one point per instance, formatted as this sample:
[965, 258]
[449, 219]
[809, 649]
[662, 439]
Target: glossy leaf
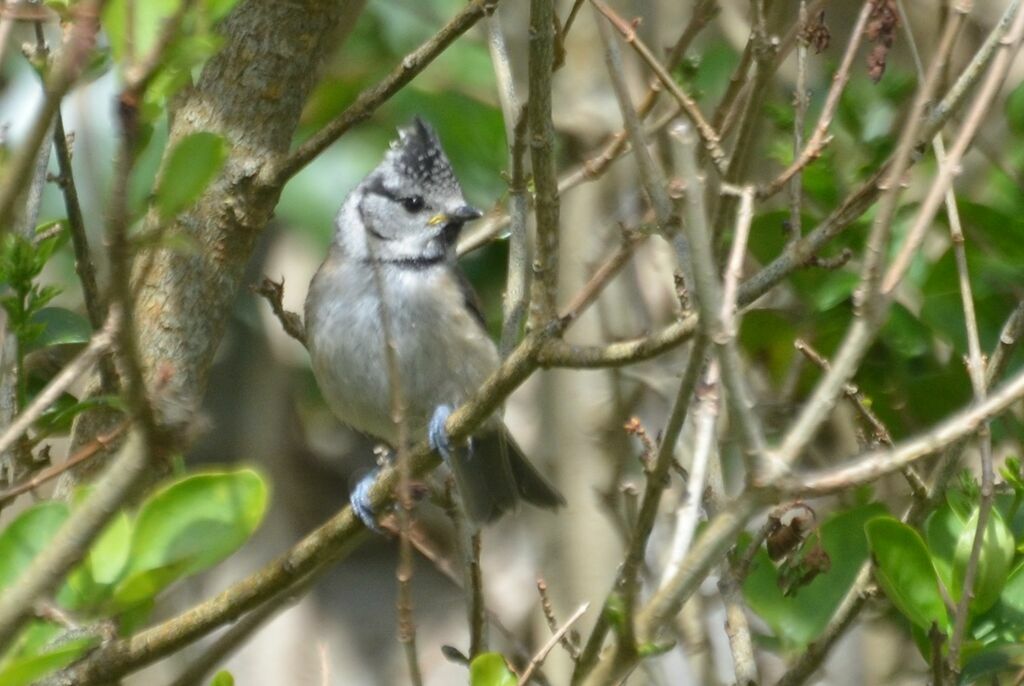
[190, 525]
[191, 165]
[994, 560]
[141, 587]
[490, 669]
[799, 619]
[59, 326]
[904, 571]
[26, 536]
[942, 532]
[30, 669]
[143, 33]
[988, 663]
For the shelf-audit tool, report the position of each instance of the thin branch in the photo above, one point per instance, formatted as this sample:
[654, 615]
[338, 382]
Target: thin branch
[708, 135]
[627, 581]
[877, 463]
[83, 362]
[976, 115]
[539, 658]
[94, 305]
[517, 285]
[737, 628]
[549, 616]
[94, 447]
[801, 100]
[819, 137]
[710, 301]
[200, 666]
[614, 263]
[60, 78]
[367, 102]
[51, 565]
[273, 292]
[542, 155]
[705, 421]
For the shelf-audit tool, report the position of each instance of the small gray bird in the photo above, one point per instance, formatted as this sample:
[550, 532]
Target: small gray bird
[395, 239]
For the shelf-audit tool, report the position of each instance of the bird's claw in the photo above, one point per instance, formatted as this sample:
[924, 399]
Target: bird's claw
[360, 501]
[437, 434]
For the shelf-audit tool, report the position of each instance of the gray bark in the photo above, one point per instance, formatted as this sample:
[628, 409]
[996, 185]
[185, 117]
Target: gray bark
[251, 93]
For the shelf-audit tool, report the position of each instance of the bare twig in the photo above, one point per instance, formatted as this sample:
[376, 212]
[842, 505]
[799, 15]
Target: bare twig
[367, 102]
[61, 77]
[539, 658]
[273, 291]
[549, 616]
[801, 100]
[97, 445]
[705, 421]
[542, 155]
[627, 581]
[877, 463]
[94, 305]
[49, 567]
[708, 135]
[972, 121]
[98, 345]
[819, 137]
[710, 301]
[517, 286]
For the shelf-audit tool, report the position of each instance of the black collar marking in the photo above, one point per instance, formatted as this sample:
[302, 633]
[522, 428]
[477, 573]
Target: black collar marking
[407, 262]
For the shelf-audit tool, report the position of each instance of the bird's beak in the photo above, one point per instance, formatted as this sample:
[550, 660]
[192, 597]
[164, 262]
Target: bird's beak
[457, 216]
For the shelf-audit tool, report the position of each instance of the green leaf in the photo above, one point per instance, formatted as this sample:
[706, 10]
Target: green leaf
[194, 523]
[191, 165]
[1015, 109]
[989, 663]
[26, 536]
[222, 678]
[141, 587]
[31, 640]
[994, 560]
[905, 572]
[800, 619]
[490, 669]
[1013, 592]
[91, 583]
[143, 33]
[218, 9]
[31, 669]
[905, 333]
[60, 326]
[942, 532]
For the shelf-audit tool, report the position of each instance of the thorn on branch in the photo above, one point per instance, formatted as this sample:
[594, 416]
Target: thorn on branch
[273, 292]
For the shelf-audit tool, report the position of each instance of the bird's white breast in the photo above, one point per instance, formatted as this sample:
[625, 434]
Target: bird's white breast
[442, 352]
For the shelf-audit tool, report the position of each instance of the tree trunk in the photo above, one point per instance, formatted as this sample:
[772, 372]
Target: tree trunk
[251, 93]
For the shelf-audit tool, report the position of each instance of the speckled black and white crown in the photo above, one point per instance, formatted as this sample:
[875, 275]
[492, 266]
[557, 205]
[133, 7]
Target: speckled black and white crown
[417, 155]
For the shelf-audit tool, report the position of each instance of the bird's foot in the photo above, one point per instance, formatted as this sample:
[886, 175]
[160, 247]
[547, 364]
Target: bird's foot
[360, 501]
[437, 434]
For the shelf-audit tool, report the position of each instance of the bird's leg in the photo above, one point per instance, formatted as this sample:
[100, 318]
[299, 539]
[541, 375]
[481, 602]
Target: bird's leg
[437, 435]
[360, 496]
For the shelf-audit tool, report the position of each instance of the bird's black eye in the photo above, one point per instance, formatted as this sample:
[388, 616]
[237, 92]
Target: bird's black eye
[413, 203]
